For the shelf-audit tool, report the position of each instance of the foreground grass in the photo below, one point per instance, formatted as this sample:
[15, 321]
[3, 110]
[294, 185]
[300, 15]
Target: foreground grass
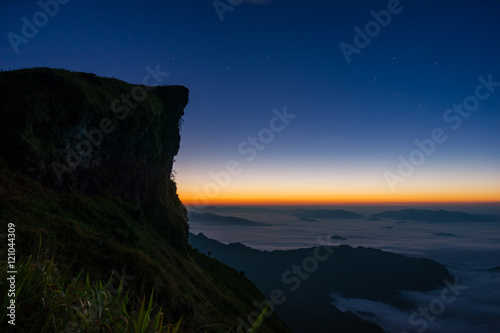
[48, 301]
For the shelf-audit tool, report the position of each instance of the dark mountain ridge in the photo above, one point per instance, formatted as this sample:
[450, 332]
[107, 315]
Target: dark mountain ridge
[307, 277]
[326, 214]
[210, 218]
[436, 216]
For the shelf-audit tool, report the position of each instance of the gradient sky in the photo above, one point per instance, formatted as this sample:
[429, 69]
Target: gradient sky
[352, 121]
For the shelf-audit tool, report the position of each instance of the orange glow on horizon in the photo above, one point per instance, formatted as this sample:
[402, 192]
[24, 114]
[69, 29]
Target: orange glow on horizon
[320, 189]
[346, 199]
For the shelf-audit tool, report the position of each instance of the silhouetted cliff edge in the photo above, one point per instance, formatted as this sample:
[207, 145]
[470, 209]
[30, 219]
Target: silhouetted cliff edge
[80, 132]
[85, 177]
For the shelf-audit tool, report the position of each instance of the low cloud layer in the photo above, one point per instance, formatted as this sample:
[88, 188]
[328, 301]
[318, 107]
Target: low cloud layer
[475, 310]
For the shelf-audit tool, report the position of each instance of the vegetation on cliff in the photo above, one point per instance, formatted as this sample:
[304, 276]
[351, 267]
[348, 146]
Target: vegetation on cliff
[85, 171]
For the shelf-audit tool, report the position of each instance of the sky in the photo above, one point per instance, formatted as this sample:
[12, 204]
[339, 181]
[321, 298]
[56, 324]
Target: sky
[298, 102]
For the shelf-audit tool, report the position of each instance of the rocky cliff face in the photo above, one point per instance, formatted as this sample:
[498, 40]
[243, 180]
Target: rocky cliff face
[85, 166]
[79, 132]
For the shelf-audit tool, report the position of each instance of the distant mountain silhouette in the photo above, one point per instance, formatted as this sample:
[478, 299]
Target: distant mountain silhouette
[445, 234]
[337, 237]
[307, 219]
[436, 216]
[211, 218]
[326, 214]
[307, 277]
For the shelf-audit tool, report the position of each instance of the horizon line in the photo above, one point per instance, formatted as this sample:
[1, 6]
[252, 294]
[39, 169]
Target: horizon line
[411, 203]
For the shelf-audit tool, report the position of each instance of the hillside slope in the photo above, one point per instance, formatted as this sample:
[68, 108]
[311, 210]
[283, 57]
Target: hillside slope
[85, 171]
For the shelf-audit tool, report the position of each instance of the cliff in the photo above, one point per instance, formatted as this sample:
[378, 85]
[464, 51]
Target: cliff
[85, 177]
[80, 132]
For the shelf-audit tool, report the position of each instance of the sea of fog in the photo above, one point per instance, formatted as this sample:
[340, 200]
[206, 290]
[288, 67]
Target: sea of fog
[468, 249]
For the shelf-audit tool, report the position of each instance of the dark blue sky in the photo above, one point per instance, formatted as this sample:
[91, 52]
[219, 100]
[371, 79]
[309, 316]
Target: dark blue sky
[353, 120]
